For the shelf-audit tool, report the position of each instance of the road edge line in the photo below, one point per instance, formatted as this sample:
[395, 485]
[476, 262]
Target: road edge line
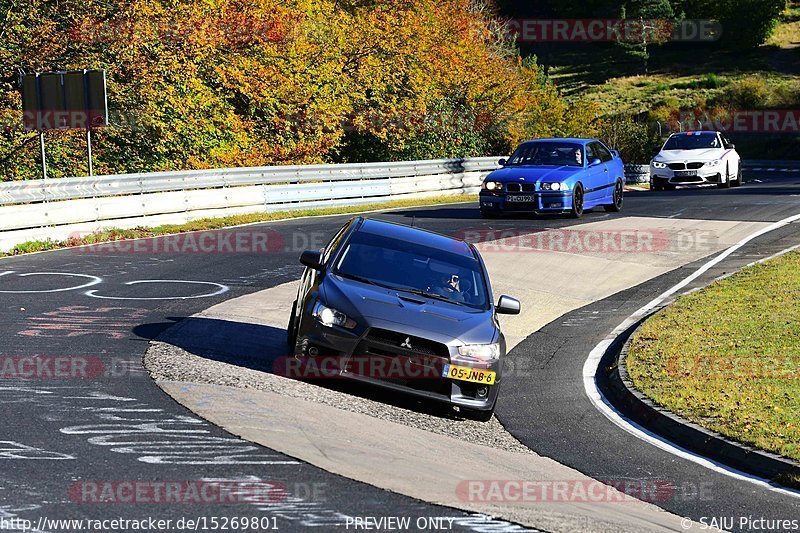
[602, 404]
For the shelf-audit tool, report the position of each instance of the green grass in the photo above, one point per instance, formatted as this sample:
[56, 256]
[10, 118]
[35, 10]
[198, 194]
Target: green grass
[635, 94]
[728, 357]
[117, 234]
[681, 78]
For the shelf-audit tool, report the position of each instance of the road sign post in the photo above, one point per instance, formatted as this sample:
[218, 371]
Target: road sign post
[44, 160]
[74, 99]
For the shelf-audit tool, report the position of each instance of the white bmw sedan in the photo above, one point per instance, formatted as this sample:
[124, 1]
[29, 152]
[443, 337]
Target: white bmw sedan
[695, 158]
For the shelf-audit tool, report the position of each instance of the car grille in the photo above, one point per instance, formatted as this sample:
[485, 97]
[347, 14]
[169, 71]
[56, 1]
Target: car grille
[521, 187]
[684, 166]
[393, 339]
[381, 343]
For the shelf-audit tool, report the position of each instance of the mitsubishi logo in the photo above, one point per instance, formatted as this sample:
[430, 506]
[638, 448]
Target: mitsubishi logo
[406, 343]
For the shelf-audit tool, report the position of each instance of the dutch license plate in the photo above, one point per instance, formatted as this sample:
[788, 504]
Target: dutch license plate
[473, 375]
[685, 173]
[521, 199]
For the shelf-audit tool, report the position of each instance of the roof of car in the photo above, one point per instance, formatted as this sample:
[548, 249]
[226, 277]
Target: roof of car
[419, 236]
[577, 140]
[694, 132]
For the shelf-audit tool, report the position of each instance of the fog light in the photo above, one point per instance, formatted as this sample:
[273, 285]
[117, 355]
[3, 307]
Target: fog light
[313, 351]
[483, 391]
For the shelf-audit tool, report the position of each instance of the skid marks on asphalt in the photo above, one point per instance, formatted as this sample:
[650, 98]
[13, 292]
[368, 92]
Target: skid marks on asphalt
[127, 426]
[37, 283]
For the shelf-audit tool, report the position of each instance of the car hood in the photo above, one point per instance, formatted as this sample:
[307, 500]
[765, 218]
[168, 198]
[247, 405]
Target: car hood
[708, 154]
[443, 322]
[533, 174]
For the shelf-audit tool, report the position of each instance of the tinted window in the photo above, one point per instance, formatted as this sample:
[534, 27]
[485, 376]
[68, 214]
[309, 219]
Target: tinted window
[334, 243]
[692, 141]
[601, 152]
[398, 264]
[548, 153]
[590, 153]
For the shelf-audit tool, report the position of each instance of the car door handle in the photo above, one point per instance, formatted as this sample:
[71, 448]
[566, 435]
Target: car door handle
[605, 170]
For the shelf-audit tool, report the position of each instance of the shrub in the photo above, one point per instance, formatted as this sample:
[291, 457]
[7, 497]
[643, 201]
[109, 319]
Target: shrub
[748, 93]
[636, 141]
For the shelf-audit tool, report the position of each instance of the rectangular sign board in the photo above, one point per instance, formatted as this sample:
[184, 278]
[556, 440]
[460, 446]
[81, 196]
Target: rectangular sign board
[74, 99]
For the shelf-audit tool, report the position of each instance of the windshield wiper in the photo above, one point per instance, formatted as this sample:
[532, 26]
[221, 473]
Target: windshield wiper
[426, 294]
[364, 280]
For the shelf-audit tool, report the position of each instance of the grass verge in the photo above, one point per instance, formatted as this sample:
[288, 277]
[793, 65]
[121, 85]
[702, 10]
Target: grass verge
[728, 357]
[117, 234]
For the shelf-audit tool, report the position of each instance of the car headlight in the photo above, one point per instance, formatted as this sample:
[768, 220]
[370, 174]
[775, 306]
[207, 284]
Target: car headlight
[659, 164]
[714, 163]
[492, 185]
[557, 186]
[327, 316]
[484, 352]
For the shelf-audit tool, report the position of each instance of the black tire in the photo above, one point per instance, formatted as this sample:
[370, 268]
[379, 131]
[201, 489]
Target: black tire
[619, 193]
[291, 329]
[727, 182]
[670, 187]
[577, 202]
[739, 179]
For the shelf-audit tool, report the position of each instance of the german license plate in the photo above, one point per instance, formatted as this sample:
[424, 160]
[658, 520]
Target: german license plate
[685, 173]
[521, 199]
[473, 375]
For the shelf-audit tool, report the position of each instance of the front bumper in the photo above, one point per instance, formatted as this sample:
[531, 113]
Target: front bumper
[704, 175]
[534, 202]
[357, 356]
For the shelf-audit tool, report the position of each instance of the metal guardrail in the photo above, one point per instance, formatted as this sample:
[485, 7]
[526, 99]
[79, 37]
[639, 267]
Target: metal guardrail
[57, 209]
[770, 163]
[637, 174]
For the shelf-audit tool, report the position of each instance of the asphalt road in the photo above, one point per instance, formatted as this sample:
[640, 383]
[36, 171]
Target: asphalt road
[61, 434]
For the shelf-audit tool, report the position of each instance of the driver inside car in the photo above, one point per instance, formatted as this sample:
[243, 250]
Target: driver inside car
[450, 287]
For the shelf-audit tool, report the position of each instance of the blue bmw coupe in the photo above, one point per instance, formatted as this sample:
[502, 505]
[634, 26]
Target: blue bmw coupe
[555, 176]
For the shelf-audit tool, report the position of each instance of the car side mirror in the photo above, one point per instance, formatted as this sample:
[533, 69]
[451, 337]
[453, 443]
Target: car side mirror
[312, 259]
[595, 161]
[507, 305]
[731, 146]
[615, 153]
[502, 162]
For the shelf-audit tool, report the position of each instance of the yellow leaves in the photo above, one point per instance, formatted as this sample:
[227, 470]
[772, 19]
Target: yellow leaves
[253, 82]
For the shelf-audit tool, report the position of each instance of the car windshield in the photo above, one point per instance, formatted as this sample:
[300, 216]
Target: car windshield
[548, 153]
[692, 141]
[402, 265]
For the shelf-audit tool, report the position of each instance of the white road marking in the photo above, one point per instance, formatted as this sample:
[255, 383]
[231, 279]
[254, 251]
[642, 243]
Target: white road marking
[10, 449]
[602, 404]
[94, 281]
[221, 289]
